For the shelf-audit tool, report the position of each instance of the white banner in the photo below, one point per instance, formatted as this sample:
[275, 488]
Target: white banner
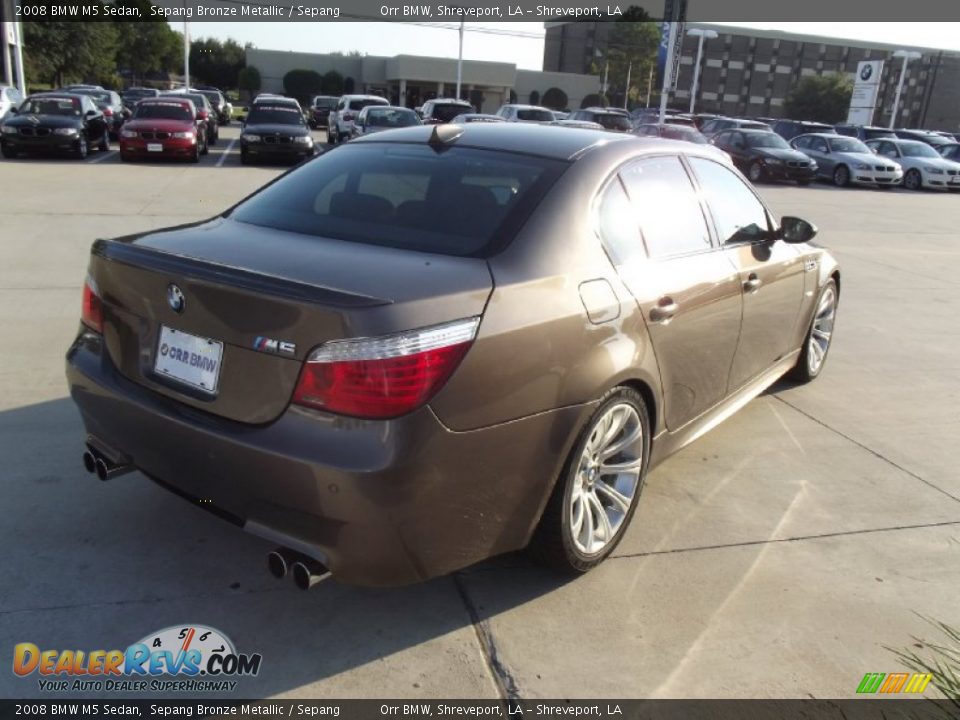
[866, 88]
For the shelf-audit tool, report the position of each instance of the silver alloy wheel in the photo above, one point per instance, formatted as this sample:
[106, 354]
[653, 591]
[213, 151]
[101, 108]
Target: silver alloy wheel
[822, 331]
[756, 172]
[607, 478]
[913, 181]
[841, 176]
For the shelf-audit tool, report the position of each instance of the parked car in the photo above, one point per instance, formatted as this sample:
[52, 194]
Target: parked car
[671, 131]
[54, 123]
[615, 121]
[376, 118]
[513, 112]
[712, 127]
[582, 124]
[864, 132]
[950, 152]
[700, 118]
[324, 362]
[81, 86]
[205, 112]
[560, 114]
[10, 97]
[320, 107]
[641, 116]
[789, 129]
[846, 160]
[476, 117]
[923, 166]
[131, 96]
[342, 117]
[111, 105]
[442, 110]
[765, 156]
[275, 132]
[164, 127]
[218, 102]
[925, 136]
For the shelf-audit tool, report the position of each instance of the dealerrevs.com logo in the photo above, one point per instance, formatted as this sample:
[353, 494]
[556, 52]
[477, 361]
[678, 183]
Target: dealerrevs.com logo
[187, 658]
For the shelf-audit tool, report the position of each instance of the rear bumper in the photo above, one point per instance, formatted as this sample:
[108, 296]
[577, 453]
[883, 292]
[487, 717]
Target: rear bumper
[378, 502]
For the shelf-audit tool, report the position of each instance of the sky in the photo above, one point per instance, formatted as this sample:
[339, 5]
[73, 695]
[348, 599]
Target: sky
[517, 42]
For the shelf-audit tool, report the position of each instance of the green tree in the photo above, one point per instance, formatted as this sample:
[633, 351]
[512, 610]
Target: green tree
[534, 97]
[147, 46]
[555, 99]
[348, 86]
[302, 84]
[332, 83]
[631, 49]
[248, 80]
[824, 98]
[595, 100]
[216, 63]
[61, 52]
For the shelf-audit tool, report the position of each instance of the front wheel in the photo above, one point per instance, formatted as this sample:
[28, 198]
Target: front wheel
[912, 180]
[755, 172]
[81, 149]
[597, 493]
[8, 152]
[817, 343]
[841, 176]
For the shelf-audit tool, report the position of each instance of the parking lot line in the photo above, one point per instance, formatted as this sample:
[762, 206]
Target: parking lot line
[102, 156]
[225, 152]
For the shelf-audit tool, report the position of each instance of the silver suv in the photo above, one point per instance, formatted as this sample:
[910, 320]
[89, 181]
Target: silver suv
[342, 117]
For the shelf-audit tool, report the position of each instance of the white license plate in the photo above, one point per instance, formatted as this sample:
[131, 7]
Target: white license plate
[190, 359]
[154, 147]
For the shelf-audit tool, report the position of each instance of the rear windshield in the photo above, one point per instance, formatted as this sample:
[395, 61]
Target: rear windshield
[274, 116]
[326, 103]
[391, 118]
[361, 104]
[445, 112]
[535, 115]
[463, 201]
[613, 121]
[163, 111]
[682, 132]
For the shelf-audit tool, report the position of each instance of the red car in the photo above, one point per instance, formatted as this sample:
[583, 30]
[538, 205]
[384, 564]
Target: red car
[164, 127]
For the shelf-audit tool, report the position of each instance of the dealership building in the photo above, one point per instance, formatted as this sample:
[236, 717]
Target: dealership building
[750, 72]
[410, 80]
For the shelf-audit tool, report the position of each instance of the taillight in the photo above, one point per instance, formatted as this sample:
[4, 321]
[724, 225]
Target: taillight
[91, 312]
[384, 377]
[108, 112]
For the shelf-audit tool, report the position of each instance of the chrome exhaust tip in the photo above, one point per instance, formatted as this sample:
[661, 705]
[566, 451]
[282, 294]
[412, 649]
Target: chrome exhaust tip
[307, 573]
[278, 563]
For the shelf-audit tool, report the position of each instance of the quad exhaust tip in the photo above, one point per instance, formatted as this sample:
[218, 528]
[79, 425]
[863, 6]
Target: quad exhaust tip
[306, 571]
[97, 463]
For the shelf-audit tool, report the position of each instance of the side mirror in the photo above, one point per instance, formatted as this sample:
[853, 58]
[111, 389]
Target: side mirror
[795, 230]
[13, 111]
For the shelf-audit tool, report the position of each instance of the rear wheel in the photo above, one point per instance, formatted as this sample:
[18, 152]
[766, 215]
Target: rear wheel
[332, 134]
[819, 336]
[597, 493]
[104, 145]
[206, 147]
[841, 176]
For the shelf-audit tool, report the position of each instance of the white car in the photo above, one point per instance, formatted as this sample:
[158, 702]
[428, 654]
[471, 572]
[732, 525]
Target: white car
[10, 97]
[924, 166]
[342, 117]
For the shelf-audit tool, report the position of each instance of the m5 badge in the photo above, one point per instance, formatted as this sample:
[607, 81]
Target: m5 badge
[278, 347]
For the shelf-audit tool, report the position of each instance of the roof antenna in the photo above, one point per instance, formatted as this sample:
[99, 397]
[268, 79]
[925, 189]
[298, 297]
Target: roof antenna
[443, 135]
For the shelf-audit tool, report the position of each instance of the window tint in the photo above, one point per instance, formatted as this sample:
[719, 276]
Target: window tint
[737, 213]
[818, 144]
[801, 142]
[406, 196]
[618, 225]
[445, 112]
[666, 206]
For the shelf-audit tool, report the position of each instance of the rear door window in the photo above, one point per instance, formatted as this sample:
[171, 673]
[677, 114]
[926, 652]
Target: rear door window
[464, 202]
[666, 207]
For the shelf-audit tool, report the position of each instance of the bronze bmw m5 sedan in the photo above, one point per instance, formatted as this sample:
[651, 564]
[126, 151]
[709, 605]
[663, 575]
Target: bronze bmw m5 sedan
[434, 345]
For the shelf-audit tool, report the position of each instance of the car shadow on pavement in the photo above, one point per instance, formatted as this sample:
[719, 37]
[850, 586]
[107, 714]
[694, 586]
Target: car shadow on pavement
[103, 564]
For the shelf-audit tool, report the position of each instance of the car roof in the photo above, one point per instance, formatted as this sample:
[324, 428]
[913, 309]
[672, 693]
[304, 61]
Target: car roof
[560, 143]
[521, 106]
[453, 101]
[374, 108]
[363, 97]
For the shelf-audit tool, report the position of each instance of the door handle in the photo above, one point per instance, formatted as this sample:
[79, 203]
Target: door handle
[752, 283]
[664, 310]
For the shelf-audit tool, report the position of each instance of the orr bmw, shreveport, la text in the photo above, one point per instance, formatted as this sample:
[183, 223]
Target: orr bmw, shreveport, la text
[496, 11]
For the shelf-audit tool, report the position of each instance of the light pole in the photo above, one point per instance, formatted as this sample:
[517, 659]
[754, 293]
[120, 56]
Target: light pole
[186, 55]
[907, 56]
[703, 35]
[460, 61]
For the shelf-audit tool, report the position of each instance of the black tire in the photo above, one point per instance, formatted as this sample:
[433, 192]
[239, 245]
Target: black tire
[206, 147]
[244, 158]
[755, 172]
[803, 372]
[553, 544]
[913, 180]
[104, 145]
[81, 150]
[841, 176]
[332, 135]
[195, 157]
[8, 153]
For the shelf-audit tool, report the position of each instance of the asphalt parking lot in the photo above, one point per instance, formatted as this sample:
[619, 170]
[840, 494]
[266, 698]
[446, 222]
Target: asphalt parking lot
[778, 556]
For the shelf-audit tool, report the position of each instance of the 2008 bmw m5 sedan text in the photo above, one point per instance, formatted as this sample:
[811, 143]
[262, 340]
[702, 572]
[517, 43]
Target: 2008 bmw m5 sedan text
[437, 344]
